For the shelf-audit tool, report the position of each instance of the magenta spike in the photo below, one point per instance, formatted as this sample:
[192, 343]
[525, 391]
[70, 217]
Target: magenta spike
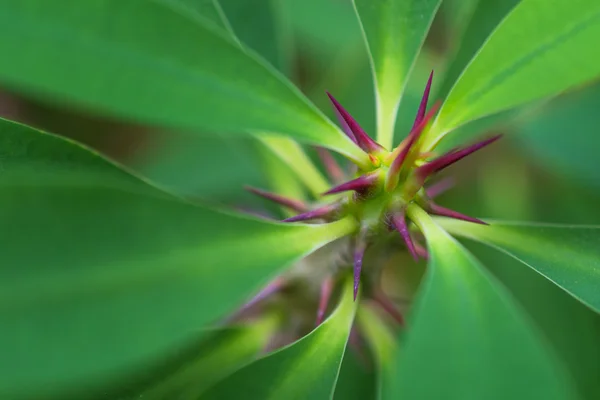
[341, 120]
[386, 304]
[362, 139]
[273, 287]
[360, 184]
[451, 157]
[439, 187]
[331, 166]
[399, 221]
[313, 214]
[413, 136]
[421, 251]
[446, 212]
[292, 204]
[359, 253]
[424, 99]
[326, 289]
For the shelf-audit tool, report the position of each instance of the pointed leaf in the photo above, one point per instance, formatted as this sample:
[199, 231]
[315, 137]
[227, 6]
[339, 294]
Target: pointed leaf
[219, 354]
[102, 273]
[468, 333]
[567, 255]
[108, 55]
[539, 50]
[357, 381]
[394, 32]
[307, 369]
[207, 9]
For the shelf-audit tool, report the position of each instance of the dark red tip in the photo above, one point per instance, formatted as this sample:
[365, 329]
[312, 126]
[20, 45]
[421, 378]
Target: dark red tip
[421, 251]
[451, 157]
[446, 212]
[313, 214]
[325, 294]
[424, 100]
[292, 204]
[413, 137]
[361, 137]
[399, 221]
[360, 184]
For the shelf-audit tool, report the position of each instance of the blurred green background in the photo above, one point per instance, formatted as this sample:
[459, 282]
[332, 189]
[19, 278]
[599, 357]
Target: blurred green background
[545, 169]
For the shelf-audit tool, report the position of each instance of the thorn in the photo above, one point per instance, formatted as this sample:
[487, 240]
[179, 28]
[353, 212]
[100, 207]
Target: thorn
[341, 120]
[451, 157]
[292, 204]
[413, 137]
[331, 166]
[362, 139]
[326, 289]
[424, 100]
[399, 221]
[313, 214]
[421, 251]
[359, 253]
[446, 212]
[360, 184]
[386, 304]
[439, 187]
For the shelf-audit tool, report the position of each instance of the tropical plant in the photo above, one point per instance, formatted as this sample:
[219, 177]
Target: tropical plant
[113, 287]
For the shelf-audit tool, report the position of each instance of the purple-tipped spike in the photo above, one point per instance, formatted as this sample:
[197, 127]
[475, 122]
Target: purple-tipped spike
[451, 157]
[360, 184]
[446, 212]
[341, 120]
[439, 187]
[331, 166]
[424, 99]
[313, 214]
[399, 221]
[413, 136]
[359, 253]
[292, 204]
[362, 139]
[326, 289]
[389, 307]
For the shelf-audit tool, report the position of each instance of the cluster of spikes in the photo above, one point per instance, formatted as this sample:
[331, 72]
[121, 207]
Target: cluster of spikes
[398, 177]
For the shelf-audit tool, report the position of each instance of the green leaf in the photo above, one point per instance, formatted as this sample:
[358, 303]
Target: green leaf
[214, 358]
[567, 255]
[208, 9]
[306, 369]
[482, 20]
[102, 273]
[539, 50]
[468, 333]
[575, 154]
[109, 56]
[394, 32]
[357, 380]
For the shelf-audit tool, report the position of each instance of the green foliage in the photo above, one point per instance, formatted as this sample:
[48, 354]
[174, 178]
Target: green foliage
[567, 255]
[540, 49]
[315, 359]
[115, 282]
[394, 32]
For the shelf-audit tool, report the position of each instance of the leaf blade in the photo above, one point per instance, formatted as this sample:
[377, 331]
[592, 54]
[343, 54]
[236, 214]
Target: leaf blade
[526, 58]
[394, 31]
[566, 255]
[464, 331]
[107, 55]
[125, 269]
[316, 357]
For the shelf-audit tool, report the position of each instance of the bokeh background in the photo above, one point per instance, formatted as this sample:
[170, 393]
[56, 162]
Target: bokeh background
[545, 169]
